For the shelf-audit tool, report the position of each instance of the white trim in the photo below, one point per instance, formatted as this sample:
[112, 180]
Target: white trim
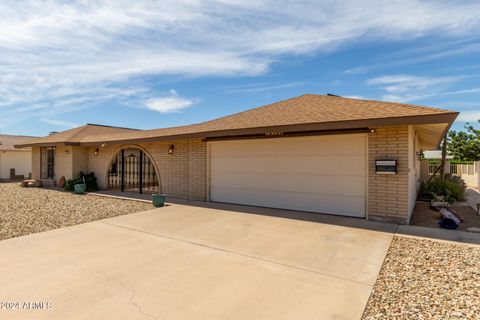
[208, 171]
[367, 174]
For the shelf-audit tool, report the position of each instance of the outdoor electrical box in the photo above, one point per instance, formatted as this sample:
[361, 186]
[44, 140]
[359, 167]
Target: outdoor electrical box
[386, 166]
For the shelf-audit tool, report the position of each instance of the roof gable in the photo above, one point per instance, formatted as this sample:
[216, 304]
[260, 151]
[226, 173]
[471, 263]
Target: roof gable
[76, 135]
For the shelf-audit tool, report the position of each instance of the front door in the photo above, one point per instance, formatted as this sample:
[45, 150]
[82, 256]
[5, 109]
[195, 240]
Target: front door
[47, 163]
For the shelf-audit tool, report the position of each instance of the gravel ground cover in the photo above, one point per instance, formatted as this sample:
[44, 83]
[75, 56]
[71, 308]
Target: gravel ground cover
[423, 279]
[31, 210]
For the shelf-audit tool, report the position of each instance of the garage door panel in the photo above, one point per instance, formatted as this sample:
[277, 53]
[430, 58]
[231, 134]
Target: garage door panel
[331, 145]
[324, 174]
[293, 183]
[333, 204]
[352, 165]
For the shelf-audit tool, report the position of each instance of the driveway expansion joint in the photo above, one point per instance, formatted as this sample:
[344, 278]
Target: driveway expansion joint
[235, 253]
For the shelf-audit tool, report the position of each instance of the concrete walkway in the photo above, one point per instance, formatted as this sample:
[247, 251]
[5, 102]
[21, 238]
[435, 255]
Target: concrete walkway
[473, 197]
[186, 262]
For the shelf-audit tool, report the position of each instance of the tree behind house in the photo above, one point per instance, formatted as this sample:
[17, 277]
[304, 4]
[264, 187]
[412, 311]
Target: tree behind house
[464, 145]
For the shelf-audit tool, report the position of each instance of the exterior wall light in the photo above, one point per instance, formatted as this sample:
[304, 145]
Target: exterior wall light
[372, 130]
[96, 152]
[67, 152]
[170, 149]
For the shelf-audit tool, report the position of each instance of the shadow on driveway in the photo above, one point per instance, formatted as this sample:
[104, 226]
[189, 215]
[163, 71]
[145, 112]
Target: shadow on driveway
[359, 223]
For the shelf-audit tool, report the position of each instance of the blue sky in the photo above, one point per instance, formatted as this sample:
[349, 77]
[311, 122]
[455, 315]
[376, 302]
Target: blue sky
[148, 65]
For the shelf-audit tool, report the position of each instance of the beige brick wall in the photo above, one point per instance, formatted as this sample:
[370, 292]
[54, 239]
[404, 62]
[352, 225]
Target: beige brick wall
[197, 170]
[79, 161]
[35, 162]
[63, 162]
[99, 164]
[388, 195]
[181, 174]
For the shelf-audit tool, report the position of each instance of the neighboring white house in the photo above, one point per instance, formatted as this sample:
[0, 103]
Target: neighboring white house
[11, 158]
[434, 155]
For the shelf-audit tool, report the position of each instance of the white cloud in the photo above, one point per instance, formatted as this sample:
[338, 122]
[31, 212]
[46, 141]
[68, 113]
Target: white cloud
[463, 91]
[407, 83]
[419, 55]
[262, 87]
[169, 104]
[469, 116]
[405, 87]
[357, 70]
[356, 97]
[60, 123]
[77, 51]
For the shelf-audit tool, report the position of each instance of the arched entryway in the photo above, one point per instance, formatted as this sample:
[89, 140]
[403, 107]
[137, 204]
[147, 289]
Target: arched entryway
[132, 170]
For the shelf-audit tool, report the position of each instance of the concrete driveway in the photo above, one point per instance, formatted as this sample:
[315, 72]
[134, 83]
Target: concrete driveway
[186, 262]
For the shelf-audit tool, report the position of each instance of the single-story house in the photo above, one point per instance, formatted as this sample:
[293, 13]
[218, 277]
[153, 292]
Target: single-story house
[317, 153]
[15, 163]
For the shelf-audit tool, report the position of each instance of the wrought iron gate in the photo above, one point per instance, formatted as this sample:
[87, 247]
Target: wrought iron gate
[132, 170]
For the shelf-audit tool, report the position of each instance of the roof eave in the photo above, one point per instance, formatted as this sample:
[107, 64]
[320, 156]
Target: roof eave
[41, 144]
[447, 128]
[18, 149]
[327, 126]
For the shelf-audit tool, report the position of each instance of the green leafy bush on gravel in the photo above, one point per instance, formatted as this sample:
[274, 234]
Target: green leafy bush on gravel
[451, 187]
[90, 181]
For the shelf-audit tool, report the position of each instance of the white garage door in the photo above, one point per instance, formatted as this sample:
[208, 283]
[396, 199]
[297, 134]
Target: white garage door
[325, 174]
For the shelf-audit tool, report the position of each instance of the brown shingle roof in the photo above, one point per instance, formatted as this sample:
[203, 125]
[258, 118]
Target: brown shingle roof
[8, 142]
[76, 135]
[319, 110]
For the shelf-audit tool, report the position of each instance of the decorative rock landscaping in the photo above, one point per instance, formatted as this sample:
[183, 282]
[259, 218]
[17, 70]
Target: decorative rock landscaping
[423, 279]
[31, 210]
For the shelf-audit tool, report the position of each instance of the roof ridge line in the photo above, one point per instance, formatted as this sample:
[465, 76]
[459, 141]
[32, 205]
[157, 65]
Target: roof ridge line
[110, 126]
[409, 105]
[18, 135]
[255, 108]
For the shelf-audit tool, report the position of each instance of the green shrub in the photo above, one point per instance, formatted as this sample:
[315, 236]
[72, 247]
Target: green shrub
[423, 193]
[451, 187]
[90, 181]
[69, 186]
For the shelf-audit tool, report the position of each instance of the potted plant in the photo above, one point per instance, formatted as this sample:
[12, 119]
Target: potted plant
[158, 200]
[84, 183]
[81, 187]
